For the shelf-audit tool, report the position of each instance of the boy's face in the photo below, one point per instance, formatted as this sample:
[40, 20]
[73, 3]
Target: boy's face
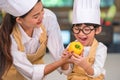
[85, 33]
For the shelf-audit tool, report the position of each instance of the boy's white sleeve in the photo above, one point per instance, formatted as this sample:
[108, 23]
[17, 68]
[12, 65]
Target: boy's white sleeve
[100, 59]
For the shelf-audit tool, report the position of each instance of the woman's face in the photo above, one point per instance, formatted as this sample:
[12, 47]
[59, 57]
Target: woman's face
[33, 18]
[85, 35]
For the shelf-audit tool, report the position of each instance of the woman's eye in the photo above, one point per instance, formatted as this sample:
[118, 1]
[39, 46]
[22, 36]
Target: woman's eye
[35, 17]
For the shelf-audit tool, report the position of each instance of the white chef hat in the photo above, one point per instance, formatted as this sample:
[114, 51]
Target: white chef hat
[17, 7]
[86, 11]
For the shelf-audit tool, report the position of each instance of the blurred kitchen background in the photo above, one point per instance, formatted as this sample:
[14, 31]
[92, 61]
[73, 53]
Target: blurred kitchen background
[110, 36]
[110, 19]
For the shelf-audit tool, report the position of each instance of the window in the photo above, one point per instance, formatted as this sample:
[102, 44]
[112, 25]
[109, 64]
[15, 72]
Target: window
[66, 36]
[106, 3]
[57, 3]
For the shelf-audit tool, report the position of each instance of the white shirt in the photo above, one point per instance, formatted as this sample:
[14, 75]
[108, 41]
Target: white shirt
[100, 58]
[54, 44]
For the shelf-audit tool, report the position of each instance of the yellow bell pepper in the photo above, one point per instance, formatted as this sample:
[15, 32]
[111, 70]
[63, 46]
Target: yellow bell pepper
[76, 47]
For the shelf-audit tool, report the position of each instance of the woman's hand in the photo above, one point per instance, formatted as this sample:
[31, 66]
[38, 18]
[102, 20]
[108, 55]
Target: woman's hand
[66, 58]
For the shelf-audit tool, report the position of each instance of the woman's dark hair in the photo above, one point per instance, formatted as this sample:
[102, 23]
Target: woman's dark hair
[5, 42]
[6, 29]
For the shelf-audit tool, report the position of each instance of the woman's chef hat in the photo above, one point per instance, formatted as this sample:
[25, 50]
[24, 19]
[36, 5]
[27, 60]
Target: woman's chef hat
[86, 11]
[17, 7]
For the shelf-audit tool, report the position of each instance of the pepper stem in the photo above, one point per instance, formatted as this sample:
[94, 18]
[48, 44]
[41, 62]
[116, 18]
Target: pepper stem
[77, 46]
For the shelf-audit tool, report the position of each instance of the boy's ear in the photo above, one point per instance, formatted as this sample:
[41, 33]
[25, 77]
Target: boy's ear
[98, 30]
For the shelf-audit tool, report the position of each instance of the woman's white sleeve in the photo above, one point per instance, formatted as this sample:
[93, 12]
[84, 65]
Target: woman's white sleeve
[24, 66]
[55, 43]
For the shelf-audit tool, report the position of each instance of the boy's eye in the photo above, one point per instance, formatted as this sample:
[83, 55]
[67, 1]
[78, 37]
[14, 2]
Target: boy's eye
[86, 29]
[76, 28]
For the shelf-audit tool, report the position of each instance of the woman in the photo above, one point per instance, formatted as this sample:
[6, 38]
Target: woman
[23, 42]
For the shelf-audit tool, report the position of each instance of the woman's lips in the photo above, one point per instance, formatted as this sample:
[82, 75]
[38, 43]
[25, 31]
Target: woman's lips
[39, 22]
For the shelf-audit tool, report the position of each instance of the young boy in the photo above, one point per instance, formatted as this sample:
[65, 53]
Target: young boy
[86, 24]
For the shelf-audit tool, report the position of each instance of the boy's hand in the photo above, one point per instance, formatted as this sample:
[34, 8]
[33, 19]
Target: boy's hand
[79, 60]
[82, 62]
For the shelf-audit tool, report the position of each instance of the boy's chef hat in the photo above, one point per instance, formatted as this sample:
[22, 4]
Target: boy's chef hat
[86, 11]
[17, 7]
